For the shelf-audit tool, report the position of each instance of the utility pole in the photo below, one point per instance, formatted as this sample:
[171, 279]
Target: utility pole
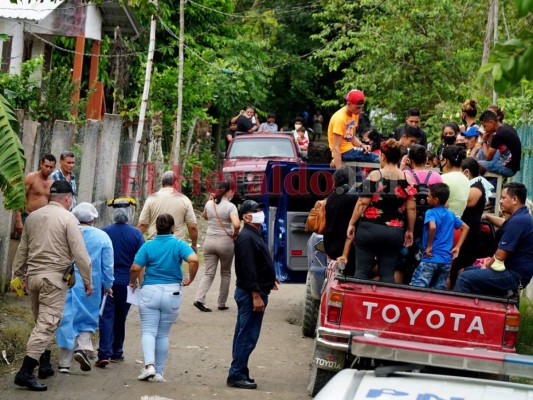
[144, 101]
[495, 40]
[177, 134]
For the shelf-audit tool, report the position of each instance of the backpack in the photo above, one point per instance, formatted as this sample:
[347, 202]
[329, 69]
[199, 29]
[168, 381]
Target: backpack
[316, 221]
[421, 197]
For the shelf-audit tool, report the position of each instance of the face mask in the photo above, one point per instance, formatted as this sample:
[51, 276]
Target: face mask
[448, 140]
[296, 126]
[258, 218]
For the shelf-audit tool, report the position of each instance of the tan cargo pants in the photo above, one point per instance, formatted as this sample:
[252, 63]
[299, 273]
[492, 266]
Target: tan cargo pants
[47, 295]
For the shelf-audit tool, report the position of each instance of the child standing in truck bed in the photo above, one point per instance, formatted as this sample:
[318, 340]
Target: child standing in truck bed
[437, 240]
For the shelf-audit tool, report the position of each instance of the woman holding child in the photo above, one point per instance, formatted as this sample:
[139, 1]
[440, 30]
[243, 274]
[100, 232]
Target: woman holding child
[386, 199]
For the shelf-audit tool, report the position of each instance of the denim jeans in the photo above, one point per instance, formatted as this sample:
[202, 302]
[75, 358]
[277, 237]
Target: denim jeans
[429, 274]
[487, 281]
[496, 167]
[158, 307]
[113, 324]
[359, 155]
[247, 330]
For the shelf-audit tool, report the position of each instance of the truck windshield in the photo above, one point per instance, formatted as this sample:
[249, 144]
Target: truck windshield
[262, 148]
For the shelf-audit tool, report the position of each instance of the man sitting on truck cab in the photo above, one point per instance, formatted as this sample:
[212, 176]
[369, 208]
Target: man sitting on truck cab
[511, 267]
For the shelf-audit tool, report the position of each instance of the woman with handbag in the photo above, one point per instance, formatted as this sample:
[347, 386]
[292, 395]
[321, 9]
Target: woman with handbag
[222, 229]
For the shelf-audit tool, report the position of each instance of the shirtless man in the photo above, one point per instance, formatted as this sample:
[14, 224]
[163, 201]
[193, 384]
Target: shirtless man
[37, 188]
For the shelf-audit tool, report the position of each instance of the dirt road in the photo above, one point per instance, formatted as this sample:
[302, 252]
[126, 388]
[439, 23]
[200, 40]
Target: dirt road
[200, 354]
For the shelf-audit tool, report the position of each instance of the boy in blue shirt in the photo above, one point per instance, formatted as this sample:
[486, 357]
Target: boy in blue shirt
[437, 240]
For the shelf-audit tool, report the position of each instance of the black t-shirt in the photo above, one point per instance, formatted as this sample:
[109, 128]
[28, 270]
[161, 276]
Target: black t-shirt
[472, 215]
[228, 132]
[339, 209]
[508, 143]
[423, 141]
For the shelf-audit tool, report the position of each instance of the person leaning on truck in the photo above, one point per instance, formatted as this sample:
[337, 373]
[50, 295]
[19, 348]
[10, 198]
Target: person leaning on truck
[342, 138]
[511, 267]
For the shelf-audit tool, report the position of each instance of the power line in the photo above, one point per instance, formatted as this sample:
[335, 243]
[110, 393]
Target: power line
[55, 46]
[258, 14]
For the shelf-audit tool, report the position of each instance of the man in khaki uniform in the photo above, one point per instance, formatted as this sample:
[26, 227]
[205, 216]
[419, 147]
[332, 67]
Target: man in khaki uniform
[50, 240]
[169, 201]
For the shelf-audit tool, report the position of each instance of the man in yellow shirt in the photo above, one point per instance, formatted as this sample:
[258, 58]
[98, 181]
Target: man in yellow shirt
[342, 138]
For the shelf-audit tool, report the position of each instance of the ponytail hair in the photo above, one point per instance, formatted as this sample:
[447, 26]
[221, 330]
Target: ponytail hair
[454, 154]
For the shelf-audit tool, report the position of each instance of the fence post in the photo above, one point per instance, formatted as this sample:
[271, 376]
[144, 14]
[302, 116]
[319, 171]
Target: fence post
[107, 166]
[89, 134]
[5, 235]
[63, 136]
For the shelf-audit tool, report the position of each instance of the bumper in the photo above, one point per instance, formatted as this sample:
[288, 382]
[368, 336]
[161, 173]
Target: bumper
[333, 339]
[481, 360]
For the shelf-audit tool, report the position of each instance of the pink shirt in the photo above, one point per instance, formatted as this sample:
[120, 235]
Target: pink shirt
[422, 174]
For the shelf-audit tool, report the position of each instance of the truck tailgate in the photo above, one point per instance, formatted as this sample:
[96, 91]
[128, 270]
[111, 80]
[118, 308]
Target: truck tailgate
[422, 315]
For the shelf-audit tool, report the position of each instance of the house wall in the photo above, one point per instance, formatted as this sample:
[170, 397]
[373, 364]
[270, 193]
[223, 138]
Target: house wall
[16, 31]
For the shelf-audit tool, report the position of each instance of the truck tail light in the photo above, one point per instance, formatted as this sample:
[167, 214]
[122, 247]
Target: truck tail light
[512, 322]
[334, 307]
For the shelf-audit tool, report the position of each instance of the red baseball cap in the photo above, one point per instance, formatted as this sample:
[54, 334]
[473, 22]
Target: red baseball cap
[355, 96]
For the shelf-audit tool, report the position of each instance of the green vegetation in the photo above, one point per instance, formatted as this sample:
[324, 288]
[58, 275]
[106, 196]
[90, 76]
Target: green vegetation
[16, 323]
[12, 159]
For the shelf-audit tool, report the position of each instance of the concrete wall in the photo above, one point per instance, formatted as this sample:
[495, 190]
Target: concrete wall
[99, 173]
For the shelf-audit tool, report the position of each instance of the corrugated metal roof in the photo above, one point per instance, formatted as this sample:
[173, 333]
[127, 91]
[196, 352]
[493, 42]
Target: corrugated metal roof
[32, 10]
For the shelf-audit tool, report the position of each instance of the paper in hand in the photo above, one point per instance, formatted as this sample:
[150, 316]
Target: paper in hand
[103, 305]
[133, 296]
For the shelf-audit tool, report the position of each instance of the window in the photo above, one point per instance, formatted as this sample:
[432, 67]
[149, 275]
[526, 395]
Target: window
[262, 148]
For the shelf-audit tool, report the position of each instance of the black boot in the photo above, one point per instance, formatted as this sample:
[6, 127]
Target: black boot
[45, 367]
[25, 377]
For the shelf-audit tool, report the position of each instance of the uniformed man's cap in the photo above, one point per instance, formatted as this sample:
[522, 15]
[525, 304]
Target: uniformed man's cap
[61, 187]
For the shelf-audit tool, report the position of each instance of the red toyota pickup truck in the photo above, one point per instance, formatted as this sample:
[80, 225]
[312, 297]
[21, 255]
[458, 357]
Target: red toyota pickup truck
[364, 323]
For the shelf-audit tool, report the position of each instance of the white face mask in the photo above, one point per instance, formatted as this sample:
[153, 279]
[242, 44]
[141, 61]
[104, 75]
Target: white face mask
[296, 126]
[258, 218]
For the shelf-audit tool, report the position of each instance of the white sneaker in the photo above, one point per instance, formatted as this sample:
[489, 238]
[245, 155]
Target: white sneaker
[159, 378]
[64, 370]
[147, 373]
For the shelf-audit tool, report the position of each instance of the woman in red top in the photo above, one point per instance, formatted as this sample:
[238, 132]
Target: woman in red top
[388, 195]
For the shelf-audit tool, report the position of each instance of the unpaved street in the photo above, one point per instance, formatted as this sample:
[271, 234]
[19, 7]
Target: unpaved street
[199, 357]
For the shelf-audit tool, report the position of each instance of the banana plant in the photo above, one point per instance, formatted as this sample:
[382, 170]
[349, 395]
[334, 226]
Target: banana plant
[12, 160]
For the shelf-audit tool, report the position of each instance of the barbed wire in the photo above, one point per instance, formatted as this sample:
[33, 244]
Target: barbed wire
[88, 54]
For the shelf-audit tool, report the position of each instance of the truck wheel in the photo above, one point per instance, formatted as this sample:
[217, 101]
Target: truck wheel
[311, 309]
[319, 378]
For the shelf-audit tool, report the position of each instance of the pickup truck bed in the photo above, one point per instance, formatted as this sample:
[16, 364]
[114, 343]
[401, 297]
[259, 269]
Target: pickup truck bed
[400, 316]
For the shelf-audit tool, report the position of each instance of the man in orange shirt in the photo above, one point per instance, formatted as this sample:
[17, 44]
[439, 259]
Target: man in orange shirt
[343, 141]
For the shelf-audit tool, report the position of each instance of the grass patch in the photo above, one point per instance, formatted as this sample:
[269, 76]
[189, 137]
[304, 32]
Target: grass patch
[524, 342]
[16, 324]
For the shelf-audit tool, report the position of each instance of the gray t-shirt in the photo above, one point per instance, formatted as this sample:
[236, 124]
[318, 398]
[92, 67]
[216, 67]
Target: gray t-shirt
[224, 210]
